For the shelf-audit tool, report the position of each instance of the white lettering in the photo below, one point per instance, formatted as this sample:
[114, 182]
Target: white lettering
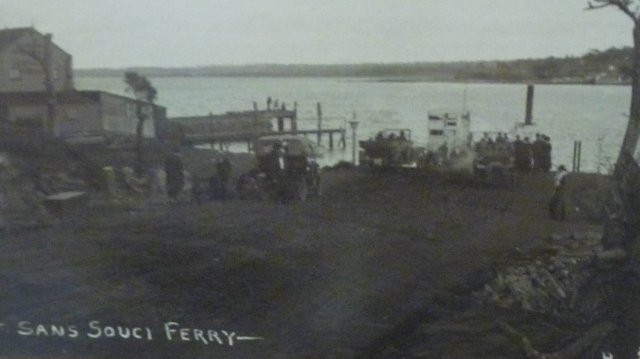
[109, 332]
[198, 335]
[98, 332]
[212, 334]
[25, 328]
[73, 331]
[229, 337]
[169, 330]
[57, 331]
[184, 334]
[41, 330]
[124, 332]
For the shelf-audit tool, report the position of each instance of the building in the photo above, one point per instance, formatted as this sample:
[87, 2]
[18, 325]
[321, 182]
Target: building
[26, 57]
[23, 62]
[80, 115]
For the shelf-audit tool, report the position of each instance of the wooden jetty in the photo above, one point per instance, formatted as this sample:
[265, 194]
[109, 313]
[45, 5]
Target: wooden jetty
[246, 126]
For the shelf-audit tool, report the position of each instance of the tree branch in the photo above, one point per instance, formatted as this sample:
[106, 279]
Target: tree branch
[574, 350]
[33, 55]
[622, 5]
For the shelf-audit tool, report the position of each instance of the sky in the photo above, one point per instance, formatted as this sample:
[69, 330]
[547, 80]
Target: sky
[181, 33]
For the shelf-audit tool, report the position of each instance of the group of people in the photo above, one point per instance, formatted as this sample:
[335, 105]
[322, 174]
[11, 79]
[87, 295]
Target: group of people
[176, 181]
[391, 137]
[527, 155]
[274, 105]
[531, 156]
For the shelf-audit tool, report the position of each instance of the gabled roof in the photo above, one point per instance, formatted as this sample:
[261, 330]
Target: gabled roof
[9, 36]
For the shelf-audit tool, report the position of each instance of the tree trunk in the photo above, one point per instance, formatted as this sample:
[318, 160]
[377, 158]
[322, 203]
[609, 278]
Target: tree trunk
[630, 142]
[49, 86]
[139, 138]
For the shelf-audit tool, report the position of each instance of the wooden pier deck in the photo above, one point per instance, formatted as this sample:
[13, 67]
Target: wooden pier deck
[246, 126]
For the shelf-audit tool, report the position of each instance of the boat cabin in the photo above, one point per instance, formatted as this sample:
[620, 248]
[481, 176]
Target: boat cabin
[448, 130]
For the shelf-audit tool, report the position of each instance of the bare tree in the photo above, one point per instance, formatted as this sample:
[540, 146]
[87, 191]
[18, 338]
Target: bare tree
[41, 54]
[631, 8]
[144, 93]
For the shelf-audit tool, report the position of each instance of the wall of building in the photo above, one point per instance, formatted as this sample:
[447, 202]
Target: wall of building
[78, 120]
[119, 115]
[20, 72]
[71, 119]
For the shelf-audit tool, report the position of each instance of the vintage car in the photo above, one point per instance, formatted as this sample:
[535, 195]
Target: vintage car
[390, 148]
[286, 169]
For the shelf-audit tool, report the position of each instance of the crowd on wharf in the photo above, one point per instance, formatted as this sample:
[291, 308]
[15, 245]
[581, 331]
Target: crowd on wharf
[527, 155]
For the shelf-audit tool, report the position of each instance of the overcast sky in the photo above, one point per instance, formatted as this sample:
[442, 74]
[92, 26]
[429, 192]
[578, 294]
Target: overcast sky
[121, 33]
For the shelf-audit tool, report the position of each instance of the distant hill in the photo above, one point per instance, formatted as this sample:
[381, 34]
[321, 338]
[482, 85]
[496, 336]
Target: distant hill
[609, 66]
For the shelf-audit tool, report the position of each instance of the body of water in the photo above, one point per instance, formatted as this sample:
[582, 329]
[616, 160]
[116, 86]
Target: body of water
[595, 115]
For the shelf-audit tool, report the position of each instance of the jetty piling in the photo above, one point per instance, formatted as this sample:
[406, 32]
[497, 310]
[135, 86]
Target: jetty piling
[354, 128]
[577, 153]
[528, 119]
[319, 111]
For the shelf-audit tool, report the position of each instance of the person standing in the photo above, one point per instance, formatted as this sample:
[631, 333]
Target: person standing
[538, 153]
[174, 170]
[527, 154]
[223, 169]
[546, 153]
[557, 205]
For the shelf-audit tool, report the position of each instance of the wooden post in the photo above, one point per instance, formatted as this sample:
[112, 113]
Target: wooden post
[294, 122]
[354, 128]
[331, 140]
[573, 158]
[280, 124]
[577, 149]
[319, 110]
[528, 119]
[579, 155]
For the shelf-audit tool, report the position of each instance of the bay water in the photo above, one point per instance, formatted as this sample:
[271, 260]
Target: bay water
[594, 115]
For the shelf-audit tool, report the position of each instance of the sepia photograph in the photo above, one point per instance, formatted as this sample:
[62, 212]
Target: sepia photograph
[319, 179]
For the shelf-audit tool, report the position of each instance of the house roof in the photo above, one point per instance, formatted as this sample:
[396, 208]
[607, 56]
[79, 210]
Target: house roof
[9, 36]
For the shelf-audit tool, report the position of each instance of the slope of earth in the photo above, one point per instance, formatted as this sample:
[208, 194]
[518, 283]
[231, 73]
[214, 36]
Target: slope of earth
[326, 278]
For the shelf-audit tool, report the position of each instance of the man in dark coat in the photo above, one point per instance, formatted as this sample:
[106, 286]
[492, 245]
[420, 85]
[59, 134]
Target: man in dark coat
[557, 205]
[175, 174]
[223, 169]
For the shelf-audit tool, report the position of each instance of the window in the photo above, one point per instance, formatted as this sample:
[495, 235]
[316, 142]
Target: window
[14, 74]
[436, 132]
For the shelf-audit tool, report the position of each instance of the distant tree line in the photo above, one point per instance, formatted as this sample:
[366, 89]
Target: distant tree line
[609, 66]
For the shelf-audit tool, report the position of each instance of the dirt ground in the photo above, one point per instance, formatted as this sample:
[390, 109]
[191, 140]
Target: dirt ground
[328, 278]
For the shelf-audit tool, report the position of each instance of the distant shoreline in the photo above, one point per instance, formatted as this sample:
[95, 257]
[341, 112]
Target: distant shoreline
[382, 79]
[609, 67]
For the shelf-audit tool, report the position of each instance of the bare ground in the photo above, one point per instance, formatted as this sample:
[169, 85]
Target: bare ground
[336, 277]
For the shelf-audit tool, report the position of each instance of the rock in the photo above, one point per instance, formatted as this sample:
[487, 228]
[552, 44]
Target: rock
[612, 255]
